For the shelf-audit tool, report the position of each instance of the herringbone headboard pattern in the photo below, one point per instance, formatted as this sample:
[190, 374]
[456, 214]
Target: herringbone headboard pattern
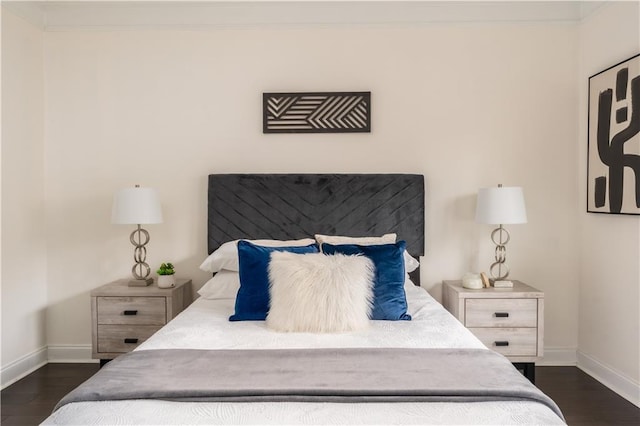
[289, 206]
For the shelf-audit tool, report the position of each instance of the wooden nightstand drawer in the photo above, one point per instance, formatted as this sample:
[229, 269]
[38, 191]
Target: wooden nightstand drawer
[123, 338]
[123, 317]
[509, 341]
[507, 320]
[132, 310]
[501, 313]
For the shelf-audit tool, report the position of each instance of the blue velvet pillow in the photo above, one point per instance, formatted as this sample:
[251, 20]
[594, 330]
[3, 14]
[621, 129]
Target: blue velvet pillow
[390, 300]
[252, 301]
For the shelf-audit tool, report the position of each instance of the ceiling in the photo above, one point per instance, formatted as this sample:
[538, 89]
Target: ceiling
[69, 15]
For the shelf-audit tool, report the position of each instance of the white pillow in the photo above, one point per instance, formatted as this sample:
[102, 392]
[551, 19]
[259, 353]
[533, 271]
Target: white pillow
[410, 262]
[224, 285]
[226, 256]
[316, 293]
[361, 241]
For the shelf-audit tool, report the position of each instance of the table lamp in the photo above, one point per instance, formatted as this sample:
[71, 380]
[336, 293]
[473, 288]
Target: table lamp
[137, 206]
[500, 206]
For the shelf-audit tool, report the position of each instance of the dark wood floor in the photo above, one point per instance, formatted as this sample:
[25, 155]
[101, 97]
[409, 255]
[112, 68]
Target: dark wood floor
[29, 401]
[583, 400]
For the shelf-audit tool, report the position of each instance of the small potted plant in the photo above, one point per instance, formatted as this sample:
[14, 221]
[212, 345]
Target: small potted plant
[166, 277]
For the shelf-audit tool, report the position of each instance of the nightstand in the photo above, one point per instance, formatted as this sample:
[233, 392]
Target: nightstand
[508, 320]
[123, 317]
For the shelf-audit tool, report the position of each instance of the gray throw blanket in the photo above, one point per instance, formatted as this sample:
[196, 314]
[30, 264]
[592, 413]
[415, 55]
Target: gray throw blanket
[310, 375]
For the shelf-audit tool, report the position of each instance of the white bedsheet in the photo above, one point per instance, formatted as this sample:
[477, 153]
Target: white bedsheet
[205, 325]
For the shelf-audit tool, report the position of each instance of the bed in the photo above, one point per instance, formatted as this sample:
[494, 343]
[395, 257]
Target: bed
[374, 375]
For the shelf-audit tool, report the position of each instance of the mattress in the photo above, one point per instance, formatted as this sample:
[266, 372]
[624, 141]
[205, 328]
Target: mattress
[205, 325]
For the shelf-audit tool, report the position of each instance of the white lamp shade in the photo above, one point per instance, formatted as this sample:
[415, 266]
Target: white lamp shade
[501, 205]
[136, 206]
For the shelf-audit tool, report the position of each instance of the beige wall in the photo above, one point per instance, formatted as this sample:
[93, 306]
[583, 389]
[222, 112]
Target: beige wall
[609, 309]
[24, 284]
[468, 105]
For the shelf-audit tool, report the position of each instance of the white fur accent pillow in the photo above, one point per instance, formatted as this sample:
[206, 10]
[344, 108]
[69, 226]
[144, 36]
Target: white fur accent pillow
[318, 293]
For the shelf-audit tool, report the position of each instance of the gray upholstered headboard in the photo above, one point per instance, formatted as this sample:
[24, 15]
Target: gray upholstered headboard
[291, 206]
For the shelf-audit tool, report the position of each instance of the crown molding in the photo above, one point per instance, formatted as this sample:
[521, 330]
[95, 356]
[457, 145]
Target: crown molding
[119, 14]
[29, 11]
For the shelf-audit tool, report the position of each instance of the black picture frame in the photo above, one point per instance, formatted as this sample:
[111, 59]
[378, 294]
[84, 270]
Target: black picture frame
[316, 112]
[613, 151]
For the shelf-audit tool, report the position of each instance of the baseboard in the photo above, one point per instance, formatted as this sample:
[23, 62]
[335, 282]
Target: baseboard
[23, 366]
[70, 353]
[558, 357]
[624, 386]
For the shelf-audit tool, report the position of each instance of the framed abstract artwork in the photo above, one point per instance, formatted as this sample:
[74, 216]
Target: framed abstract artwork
[316, 112]
[613, 163]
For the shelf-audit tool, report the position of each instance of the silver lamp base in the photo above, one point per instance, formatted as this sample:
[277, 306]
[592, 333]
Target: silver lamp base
[141, 283]
[140, 271]
[502, 268]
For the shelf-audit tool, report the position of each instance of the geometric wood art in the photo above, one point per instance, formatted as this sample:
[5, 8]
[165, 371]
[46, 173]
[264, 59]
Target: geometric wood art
[316, 112]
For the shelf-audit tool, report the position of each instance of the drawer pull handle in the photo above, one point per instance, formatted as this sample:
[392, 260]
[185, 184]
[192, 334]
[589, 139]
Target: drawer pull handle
[131, 312]
[501, 343]
[129, 340]
[501, 314]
